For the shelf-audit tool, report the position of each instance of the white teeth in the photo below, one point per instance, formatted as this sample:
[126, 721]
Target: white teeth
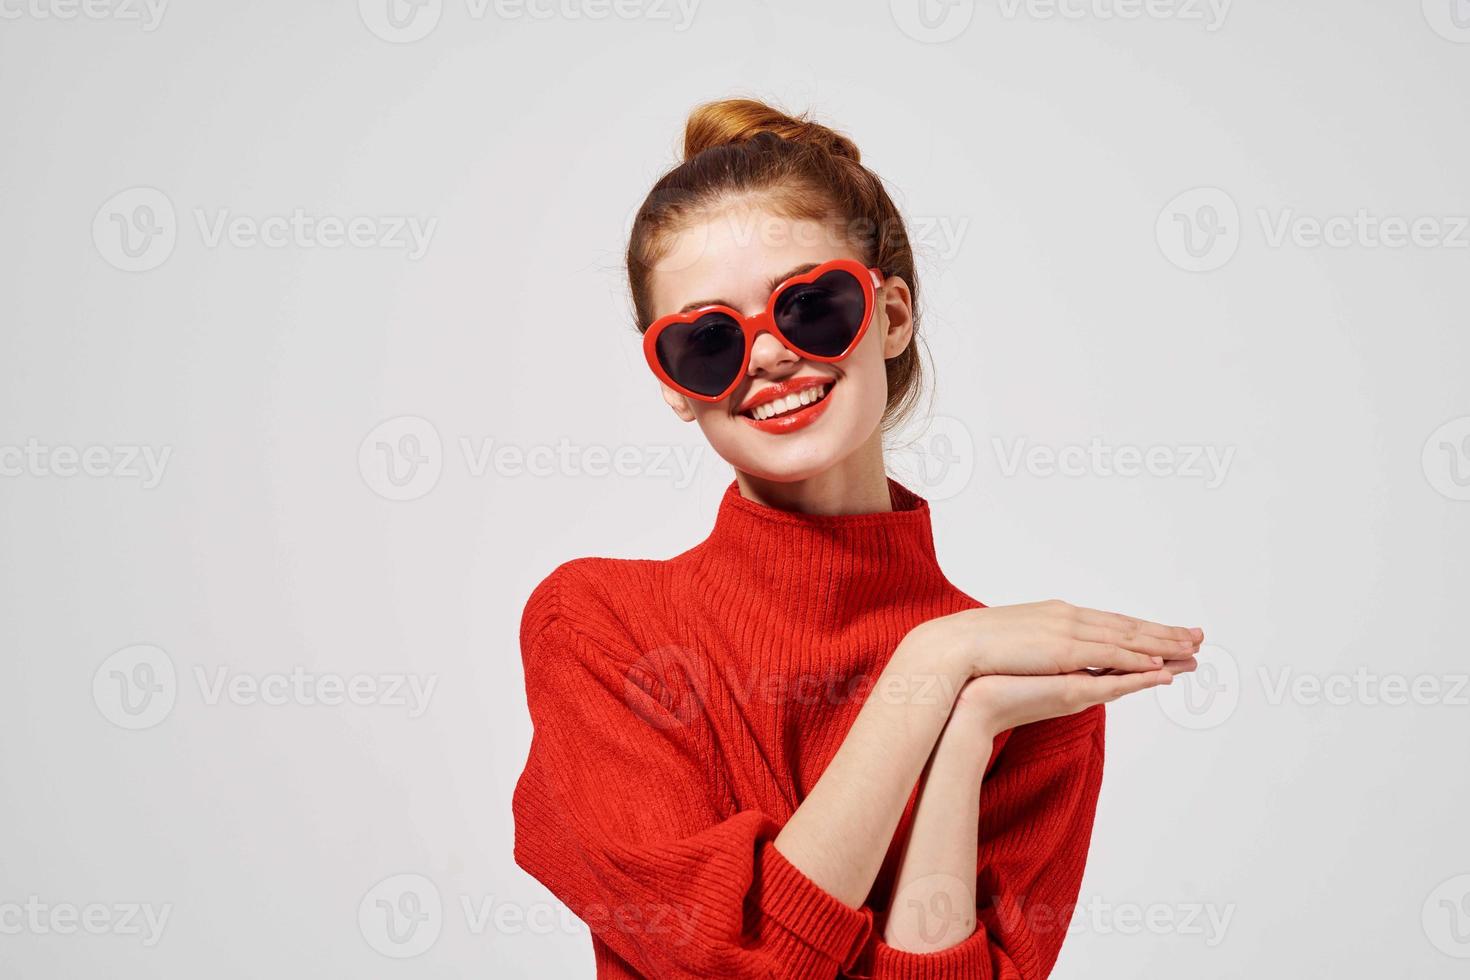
[790, 403]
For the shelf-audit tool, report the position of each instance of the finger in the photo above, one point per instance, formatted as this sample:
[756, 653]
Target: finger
[1087, 654]
[1097, 690]
[1132, 624]
[1147, 643]
[1185, 666]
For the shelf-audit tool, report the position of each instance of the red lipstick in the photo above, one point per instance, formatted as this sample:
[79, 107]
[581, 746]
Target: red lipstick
[790, 421]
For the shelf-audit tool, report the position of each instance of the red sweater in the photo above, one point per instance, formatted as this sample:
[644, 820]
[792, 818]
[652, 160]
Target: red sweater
[683, 708]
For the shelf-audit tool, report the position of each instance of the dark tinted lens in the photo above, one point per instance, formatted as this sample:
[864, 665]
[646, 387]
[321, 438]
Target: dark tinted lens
[703, 356]
[822, 317]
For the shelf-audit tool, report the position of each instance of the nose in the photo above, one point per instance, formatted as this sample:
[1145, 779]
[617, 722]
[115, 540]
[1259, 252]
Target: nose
[769, 356]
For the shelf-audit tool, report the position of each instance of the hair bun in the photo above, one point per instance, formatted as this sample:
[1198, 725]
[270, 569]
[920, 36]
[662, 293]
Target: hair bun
[737, 120]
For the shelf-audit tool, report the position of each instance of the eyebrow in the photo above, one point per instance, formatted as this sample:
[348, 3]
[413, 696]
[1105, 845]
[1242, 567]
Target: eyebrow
[770, 287]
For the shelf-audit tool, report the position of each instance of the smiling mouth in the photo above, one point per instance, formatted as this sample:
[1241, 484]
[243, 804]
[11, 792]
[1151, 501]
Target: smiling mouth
[791, 403]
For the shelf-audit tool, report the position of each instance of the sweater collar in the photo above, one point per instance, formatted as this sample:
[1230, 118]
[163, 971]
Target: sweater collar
[827, 566]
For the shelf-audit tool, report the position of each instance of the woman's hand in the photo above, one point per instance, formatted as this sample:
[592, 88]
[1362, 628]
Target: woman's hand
[993, 703]
[1055, 637]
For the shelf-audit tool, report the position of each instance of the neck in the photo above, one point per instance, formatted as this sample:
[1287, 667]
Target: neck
[856, 485]
[819, 569]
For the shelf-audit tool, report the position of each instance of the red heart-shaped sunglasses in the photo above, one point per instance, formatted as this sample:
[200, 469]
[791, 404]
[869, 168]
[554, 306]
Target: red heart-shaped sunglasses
[820, 314]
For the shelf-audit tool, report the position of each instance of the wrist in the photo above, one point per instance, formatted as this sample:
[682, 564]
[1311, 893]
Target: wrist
[964, 740]
[974, 715]
[937, 648]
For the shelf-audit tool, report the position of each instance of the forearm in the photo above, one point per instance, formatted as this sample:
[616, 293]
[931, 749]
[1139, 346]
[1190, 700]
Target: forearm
[840, 833]
[932, 906]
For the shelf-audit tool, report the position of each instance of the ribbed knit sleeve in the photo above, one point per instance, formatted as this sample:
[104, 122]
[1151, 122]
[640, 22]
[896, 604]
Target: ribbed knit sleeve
[1036, 812]
[618, 813]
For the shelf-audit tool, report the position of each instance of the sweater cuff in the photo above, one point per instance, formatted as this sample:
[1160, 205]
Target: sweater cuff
[816, 917]
[969, 958]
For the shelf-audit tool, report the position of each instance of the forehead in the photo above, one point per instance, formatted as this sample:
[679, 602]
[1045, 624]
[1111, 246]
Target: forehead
[730, 256]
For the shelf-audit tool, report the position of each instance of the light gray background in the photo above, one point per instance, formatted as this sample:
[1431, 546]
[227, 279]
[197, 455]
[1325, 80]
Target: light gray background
[1244, 829]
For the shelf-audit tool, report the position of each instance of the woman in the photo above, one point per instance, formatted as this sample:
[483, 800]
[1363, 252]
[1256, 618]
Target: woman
[796, 749]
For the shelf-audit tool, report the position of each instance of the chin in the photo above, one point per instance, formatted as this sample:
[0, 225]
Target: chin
[784, 458]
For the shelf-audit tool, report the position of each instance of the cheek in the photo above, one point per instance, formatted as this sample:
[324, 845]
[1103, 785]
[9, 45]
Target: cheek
[865, 375]
[866, 367]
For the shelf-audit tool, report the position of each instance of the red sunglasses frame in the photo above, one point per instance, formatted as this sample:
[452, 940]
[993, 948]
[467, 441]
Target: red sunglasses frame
[870, 278]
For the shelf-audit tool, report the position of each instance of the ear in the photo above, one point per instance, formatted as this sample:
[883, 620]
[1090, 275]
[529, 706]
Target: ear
[897, 304]
[678, 402]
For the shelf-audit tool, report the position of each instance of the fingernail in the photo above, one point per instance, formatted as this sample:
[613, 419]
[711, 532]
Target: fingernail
[1199, 634]
[1156, 661]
